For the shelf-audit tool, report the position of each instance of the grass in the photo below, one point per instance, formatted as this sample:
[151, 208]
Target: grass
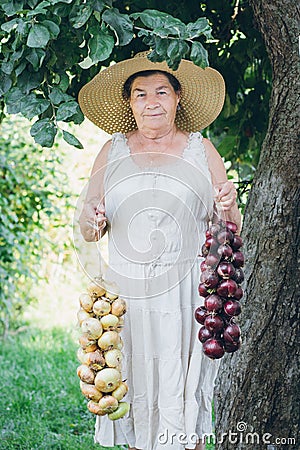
[41, 406]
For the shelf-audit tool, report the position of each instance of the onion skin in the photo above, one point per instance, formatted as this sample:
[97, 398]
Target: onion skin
[107, 380]
[94, 408]
[123, 409]
[82, 356]
[95, 290]
[108, 404]
[120, 324]
[92, 327]
[101, 307]
[121, 391]
[86, 302]
[118, 307]
[109, 322]
[95, 360]
[86, 374]
[90, 391]
[109, 340]
[82, 315]
[87, 344]
[111, 297]
[113, 358]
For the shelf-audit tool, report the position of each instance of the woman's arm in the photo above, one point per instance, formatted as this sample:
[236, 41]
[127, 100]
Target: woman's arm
[225, 192]
[92, 219]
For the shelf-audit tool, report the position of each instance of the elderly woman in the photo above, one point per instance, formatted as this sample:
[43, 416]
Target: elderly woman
[154, 188]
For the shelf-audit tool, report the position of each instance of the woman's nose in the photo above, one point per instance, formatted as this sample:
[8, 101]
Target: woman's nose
[152, 102]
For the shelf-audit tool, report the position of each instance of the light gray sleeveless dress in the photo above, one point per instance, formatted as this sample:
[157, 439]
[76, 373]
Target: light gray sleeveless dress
[157, 217]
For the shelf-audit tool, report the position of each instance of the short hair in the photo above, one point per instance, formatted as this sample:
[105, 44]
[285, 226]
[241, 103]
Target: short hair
[147, 73]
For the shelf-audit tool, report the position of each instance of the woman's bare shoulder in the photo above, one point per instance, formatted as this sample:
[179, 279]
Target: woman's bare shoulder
[102, 157]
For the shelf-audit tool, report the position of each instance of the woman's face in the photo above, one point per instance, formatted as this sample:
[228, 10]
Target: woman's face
[153, 102]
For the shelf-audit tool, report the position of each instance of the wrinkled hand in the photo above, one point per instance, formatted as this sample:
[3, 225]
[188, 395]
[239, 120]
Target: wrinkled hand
[225, 195]
[92, 220]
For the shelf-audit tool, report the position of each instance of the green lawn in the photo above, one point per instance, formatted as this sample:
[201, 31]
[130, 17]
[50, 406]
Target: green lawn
[41, 406]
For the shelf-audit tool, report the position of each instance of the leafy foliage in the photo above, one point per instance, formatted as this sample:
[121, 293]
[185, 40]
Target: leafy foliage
[45, 46]
[32, 187]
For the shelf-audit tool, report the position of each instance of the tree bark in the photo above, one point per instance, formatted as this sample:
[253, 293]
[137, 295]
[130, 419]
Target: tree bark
[259, 384]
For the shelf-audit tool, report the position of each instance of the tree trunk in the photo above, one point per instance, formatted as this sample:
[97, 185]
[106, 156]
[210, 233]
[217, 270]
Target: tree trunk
[257, 387]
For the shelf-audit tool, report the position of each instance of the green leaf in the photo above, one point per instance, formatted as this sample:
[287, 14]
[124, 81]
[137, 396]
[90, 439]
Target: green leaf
[196, 29]
[226, 146]
[67, 110]
[64, 81]
[161, 46]
[5, 83]
[38, 37]
[52, 27]
[11, 7]
[20, 68]
[101, 45]
[8, 26]
[199, 55]
[32, 106]
[120, 24]
[36, 57]
[44, 131]
[98, 5]
[72, 140]
[79, 15]
[157, 19]
[29, 80]
[13, 100]
[7, 67]
[57, 96]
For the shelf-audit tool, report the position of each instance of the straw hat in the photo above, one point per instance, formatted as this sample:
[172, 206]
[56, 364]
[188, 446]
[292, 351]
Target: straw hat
[202, 95]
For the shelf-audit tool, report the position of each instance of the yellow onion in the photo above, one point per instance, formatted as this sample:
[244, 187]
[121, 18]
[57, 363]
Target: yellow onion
[122, 409]
[107, 380]
[82, 315]
[92, 327]
[101, 307]
[121, 391]
[108, 404]
[82, 356]
[95, 408]
[111, 297]
[90, 391]
[112, 290]
[86, 302]
[113, 358]
[109, 322]
[95, 290]
[118, 307]
[109, 340]
[95, 360]
[86, 374]
[89, 345]
[120, 324]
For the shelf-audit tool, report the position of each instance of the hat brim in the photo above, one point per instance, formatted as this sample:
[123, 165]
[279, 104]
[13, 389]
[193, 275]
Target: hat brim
[202, 95]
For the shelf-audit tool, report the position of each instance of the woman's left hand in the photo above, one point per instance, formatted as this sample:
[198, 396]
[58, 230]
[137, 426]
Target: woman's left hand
[225, 195]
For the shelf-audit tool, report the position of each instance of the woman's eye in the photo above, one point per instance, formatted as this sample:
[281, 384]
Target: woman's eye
[140, 95]
[161, 92]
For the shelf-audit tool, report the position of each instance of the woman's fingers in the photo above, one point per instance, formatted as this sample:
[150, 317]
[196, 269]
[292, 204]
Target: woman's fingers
[225, 195]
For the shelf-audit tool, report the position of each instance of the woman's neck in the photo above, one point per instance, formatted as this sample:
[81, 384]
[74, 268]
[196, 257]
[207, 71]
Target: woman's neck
[156, 137]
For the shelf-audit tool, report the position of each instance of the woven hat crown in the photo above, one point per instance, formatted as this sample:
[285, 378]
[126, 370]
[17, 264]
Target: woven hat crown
[202, 95]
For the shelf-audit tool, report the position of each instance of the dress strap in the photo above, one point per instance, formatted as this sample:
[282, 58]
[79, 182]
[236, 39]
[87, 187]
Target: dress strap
[118, 147]
[196, 154]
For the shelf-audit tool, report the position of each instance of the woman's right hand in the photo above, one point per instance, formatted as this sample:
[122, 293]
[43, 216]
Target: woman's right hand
[92, 221]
